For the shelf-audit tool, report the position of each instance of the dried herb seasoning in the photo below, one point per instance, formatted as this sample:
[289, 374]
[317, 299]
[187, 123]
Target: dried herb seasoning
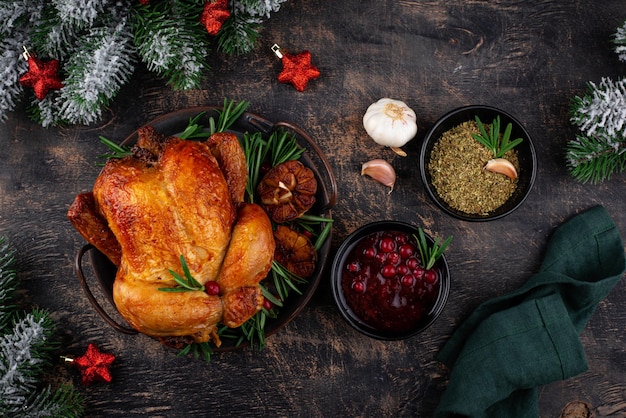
[457, 174]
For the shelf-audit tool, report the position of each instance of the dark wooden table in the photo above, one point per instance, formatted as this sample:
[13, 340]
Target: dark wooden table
[529, 58]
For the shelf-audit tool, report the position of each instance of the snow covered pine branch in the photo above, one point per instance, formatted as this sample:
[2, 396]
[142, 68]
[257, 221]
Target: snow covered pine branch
[599, 149]
[99, 43]
[25, 347]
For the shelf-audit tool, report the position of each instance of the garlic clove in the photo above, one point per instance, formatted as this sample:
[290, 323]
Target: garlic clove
[381, 171]
[501, 166]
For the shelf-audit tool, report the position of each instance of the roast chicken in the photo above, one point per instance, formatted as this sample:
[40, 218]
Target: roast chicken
[176, 198]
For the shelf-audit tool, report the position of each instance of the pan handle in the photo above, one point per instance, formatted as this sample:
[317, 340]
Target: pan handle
[91, 297]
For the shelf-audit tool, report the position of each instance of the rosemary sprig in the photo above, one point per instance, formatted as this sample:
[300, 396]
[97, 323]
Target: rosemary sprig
[116, 150]
[284, 147]
[281, 146]
[228, 115]
[197, 350]
[492, 140]
[194, 130]
[430, 254]
[186, 283]
[310, 222]
[285, 281]
[225, 120]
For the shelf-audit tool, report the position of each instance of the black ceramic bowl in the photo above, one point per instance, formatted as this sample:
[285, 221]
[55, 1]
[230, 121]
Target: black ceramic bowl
[525, 151]
[383, 302]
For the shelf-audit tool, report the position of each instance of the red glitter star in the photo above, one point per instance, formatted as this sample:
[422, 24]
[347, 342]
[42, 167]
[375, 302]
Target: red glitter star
[94, 365]
[41, 76]
[298, 70]
[214, 15]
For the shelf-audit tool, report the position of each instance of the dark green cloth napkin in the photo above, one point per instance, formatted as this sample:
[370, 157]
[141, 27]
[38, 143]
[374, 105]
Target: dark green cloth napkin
[511, 344]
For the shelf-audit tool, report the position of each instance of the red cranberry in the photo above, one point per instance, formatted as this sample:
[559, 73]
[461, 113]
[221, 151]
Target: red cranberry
[354, 267]
[403, 269]
[369, 252]
[401, 238]
[412, 263]
[267, 304]
[358, 287]
[430, 276]
[407, 251]
[387, 245]
[212, 288]
[393, 258]
[407, 280]
[381, 257]
[388, 271]
[419, 271]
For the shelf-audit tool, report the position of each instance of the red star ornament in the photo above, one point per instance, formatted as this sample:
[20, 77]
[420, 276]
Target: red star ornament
[41, 76]
[297, 69]
[94, 365]
[214, 15]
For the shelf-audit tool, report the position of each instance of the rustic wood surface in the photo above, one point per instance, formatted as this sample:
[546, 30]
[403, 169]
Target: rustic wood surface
[529, 58]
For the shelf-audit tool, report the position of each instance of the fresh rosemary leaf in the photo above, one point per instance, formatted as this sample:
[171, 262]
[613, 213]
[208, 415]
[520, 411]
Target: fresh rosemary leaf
[194, 129]
[321, 238]
[116, 151]
[186, 283]
[269, 296]
[279, 147]
[284, 147]
[229, 114]
[430, 254]
[492, 140]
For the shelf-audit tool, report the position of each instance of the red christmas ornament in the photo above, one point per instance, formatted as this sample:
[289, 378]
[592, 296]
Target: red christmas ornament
[297, 69]
[214, 15]
[41, 76]
[93, 365]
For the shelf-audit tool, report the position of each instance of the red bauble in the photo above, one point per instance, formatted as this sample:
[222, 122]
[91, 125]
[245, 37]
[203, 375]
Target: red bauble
[41, 76]
[214, 15]
[298, 70]
[94, 365]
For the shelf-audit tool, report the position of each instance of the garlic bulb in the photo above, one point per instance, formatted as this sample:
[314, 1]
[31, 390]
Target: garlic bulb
[381, 171]
[391, 123]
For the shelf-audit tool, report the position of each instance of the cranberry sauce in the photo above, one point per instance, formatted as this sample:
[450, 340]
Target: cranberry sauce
[384, 282]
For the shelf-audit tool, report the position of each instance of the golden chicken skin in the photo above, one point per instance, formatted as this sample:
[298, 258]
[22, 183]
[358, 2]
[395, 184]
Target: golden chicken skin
[175, 198]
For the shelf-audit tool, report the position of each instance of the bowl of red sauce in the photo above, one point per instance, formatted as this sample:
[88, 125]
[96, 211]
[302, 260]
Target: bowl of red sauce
[380, 285]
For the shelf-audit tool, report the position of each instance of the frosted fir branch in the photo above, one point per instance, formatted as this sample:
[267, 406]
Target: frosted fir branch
[239, 35]
[594, 159]
[170, 50]
[189, 75]
[12, 66]
[25, 347]
[66, 401]
[79, 13]
[103, 62]
[18, 15]
[603, 110]
[256, 8]
[19, 362]
[48, 111]
[52, 36]
[619, 40]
